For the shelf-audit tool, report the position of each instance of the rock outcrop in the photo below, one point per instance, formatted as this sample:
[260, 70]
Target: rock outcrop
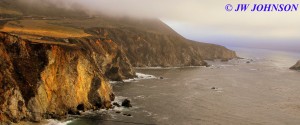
[47, 80]
[296, 66]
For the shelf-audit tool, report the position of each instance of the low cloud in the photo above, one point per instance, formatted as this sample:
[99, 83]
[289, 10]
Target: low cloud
[200, 20]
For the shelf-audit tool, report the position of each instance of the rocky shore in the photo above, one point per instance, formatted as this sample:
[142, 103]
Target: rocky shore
[296, 66]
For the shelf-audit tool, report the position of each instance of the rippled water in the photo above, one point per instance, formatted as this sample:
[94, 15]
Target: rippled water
[262, 92]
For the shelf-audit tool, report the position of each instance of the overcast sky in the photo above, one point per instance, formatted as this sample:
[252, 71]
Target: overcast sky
[207, 20]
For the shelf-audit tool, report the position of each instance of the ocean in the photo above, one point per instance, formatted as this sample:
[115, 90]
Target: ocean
[257, 90]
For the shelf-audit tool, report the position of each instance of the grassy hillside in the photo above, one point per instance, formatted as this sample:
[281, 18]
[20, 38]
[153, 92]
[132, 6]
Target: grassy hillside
[42, 28]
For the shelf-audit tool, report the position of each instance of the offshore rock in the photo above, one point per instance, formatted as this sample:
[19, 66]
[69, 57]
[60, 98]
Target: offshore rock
[126, 103]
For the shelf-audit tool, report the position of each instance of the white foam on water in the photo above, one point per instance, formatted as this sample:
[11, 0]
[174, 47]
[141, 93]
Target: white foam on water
[226, 65]
[157, 67]
[56, 122]
[139, 97]
[119, 100]
[115, 82]
[130, 80]
[148, 113]
[140, 76]
[145, 76]
[218, 89]
[176, 67]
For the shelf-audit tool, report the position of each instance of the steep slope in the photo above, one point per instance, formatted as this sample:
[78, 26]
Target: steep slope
[48, 80]
[152, 43]
[296, 66]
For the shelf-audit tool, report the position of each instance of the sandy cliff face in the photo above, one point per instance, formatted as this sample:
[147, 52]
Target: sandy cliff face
[296, 66]
[48, 80]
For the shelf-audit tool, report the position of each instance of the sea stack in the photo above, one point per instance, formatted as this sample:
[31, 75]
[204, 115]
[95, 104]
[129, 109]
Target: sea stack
[296, 66]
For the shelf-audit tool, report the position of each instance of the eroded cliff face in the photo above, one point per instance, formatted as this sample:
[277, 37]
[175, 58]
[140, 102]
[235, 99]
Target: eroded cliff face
[156, 48]
[41, 79]
[296, 66]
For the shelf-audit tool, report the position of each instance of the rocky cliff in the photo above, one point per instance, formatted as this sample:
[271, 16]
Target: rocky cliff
[159, 45]
[48, 80]
[296, 66]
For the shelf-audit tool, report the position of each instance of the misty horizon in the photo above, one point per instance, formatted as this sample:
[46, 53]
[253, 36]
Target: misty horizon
[235, 41]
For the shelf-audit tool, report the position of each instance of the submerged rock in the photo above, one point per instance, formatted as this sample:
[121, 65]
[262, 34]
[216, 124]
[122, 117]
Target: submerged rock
[296, 66]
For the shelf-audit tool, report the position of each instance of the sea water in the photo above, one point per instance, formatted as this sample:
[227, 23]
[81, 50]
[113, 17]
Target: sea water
[259, 89]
